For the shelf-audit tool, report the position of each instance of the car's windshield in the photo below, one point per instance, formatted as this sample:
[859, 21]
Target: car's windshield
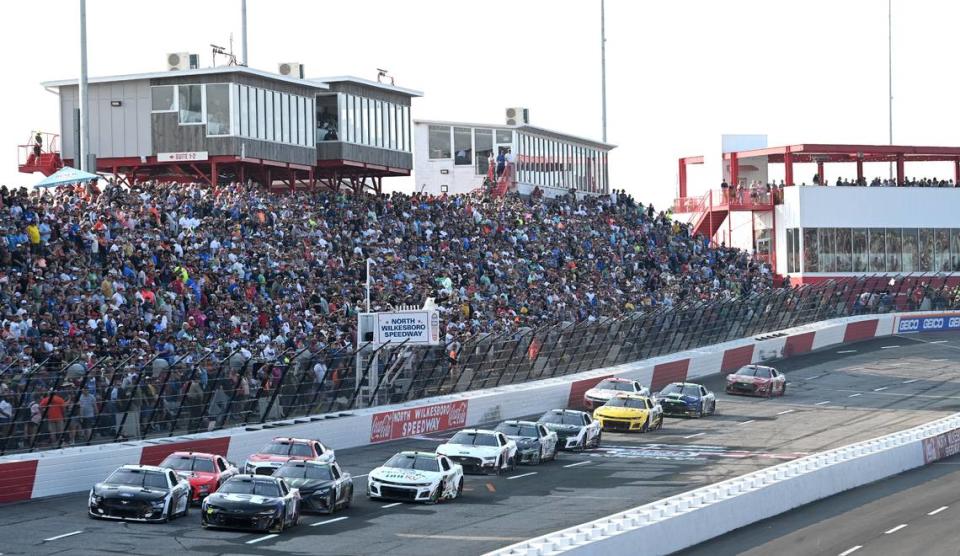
[318, 472]
[518, 429]
[563, 418]
[761, 372]
[474, 439]
[618, 385]
[188, 463]
[250, 486]
[626, 402]
[287, 449]
[137, 478]
[682, 389]
[413, 461]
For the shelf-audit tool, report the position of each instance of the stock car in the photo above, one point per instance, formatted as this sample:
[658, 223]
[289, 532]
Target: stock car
[610, 387]
[282, 450]
[576, 430]
[534, 442]
[687, 399]
[629, 412]
[757, 380]
[324, 487]
[416, 477]
[481, 451]
[257, 502]
[205, 472]
[140, 493]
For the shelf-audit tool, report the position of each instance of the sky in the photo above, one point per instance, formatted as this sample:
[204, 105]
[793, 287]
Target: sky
[679, 73]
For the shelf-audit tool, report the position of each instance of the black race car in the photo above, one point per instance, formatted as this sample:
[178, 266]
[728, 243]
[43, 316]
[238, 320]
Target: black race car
[259, 502]
[324, 487]
[140, 493]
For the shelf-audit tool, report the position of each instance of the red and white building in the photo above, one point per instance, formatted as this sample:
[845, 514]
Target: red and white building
[814, 233]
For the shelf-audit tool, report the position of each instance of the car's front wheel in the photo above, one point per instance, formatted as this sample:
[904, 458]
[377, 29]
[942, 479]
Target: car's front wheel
[538, 457]
[435, 495]
[460, 488]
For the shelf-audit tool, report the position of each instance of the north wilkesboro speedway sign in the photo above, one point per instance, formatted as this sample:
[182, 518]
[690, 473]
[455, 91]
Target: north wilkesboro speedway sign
[925, 323]
[412, 327]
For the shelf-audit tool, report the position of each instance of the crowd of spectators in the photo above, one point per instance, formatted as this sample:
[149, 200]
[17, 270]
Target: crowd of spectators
[158, 277]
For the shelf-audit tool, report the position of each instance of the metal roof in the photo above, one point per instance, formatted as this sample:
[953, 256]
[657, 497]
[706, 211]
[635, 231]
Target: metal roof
[524, 127]
[200, 71]
[368, 83]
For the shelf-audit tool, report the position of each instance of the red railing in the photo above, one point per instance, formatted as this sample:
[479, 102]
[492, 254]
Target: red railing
[729, 199]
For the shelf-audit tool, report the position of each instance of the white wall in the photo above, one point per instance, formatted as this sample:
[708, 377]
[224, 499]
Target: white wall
[115, 131]
[869, 207]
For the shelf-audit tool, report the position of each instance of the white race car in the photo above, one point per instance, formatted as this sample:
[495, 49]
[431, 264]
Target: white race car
[416, 477]
[576, 430]
[481, 451]
[610, 387]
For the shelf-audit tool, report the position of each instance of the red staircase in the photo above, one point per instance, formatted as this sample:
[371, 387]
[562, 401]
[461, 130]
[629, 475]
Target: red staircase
[712, 209]
[503, 182]
[47, 162]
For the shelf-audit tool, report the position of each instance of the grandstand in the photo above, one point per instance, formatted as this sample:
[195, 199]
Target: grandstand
[823, 231]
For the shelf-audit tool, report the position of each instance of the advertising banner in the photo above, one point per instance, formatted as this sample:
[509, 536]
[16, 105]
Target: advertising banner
[941, 446]
[928, 323]
[402, 423]
[414, 327]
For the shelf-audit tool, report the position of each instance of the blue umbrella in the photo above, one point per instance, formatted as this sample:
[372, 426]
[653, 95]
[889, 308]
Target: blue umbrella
[66, 175]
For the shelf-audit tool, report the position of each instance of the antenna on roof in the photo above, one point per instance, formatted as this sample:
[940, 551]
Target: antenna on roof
[231, 59]
[383, 74]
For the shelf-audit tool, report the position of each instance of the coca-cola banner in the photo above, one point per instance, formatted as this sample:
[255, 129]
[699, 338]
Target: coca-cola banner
[402, 423]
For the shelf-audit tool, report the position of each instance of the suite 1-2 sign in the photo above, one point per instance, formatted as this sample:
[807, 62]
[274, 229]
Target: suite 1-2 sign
[412, 327]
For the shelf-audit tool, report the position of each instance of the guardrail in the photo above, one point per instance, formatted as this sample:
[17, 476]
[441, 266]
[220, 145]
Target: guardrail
[687, 519]
[47, 473]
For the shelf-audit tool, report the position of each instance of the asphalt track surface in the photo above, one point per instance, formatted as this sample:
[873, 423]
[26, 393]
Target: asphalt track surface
[834, 397]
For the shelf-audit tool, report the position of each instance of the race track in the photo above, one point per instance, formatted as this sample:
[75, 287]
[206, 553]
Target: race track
[834, 397]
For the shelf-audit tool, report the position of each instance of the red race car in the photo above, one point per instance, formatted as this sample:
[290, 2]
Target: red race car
[757, 380]
[282, 450]
[206, 472]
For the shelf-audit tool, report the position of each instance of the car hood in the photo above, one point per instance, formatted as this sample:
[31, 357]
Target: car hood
[747, 379]
[567, 429]
[308, 485]
[269, 458]
[621, 412]
[129, 492]
[678, 398]
[404, 476]
[468, 450]
[602, 393]
[242, 501]
[197, 477]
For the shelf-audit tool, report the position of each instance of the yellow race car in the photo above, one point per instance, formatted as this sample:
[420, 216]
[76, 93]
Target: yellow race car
[629, 412]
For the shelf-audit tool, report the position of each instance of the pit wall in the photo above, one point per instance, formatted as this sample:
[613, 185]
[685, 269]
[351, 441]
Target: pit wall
[54, 472]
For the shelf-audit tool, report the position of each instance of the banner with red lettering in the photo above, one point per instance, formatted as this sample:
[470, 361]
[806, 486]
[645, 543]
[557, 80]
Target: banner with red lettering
[402, 423]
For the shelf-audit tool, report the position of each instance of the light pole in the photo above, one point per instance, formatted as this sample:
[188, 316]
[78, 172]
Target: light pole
[368, 283]
[243, 29]
[603, 66]
[890, 73]
[83, 149]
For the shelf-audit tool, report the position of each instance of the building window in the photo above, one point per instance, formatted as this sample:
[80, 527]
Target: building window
[955, 248]
[859, 250]
[254, 115]
[277, 118]
[504, 136]
[483, 140]
[163, 99]
[244, 112]
[844, 250]
[942, 254]
[218, 109]
[894, 250]
[463, 150]
[284, 118]
[439, 141]
[791, 262]
[268, 115]
[827, 260]
[191, 104]
[327, 118]
[405, 125]
[926, 250]
[878, 262]
[366, 115]
[911, 239]
[811, 251]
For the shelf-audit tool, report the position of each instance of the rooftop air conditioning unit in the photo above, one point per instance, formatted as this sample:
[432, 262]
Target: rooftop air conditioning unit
[182, 61]
[518, 116]
[291, 69]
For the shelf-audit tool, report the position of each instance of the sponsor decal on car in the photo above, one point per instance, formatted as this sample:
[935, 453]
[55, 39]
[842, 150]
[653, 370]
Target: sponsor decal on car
[402, 423]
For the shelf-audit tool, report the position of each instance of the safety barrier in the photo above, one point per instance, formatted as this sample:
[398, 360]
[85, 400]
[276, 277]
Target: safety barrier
[53, 472]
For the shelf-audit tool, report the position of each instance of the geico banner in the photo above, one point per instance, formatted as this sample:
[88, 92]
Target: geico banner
[402, 423]
[412, 327]
[928, 323]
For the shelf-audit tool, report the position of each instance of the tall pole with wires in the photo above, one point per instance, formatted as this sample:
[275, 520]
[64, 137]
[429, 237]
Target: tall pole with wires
[243, 30]
[603, 66]
[890, 74]
[83, 149]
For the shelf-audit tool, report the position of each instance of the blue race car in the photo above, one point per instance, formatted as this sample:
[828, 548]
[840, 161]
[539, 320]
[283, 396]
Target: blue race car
[687, 399]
